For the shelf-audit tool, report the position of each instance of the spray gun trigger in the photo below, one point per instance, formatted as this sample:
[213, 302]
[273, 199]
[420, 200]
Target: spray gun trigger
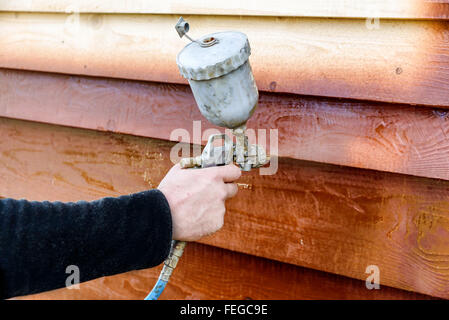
[214, 156]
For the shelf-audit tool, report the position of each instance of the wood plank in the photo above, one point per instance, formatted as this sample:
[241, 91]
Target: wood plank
[400, 61]
[237, 276]
[403, 9]
[324, 217]
[393, 138]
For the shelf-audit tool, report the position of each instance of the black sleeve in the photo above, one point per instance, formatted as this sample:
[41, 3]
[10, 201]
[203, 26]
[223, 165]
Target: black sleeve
[39, 240]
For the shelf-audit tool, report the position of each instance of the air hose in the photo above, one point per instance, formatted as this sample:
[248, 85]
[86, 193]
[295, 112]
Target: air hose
[176, 250]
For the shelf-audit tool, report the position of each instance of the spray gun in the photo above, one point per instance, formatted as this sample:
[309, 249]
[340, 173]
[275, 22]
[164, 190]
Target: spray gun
[219, 74]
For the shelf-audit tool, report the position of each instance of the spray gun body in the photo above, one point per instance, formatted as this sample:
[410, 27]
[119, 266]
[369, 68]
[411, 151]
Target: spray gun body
[220, 76]
[245, 155]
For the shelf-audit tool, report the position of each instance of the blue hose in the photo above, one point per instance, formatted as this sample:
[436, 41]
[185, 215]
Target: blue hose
[157, 290]
[176, 250]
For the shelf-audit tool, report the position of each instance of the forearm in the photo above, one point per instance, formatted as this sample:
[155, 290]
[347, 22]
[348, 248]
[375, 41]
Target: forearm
[39, 240]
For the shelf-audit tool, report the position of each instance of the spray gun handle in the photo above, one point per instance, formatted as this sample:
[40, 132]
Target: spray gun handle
[211, 156]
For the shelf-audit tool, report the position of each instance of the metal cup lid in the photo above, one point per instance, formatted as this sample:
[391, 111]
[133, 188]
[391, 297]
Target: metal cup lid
[213, 55]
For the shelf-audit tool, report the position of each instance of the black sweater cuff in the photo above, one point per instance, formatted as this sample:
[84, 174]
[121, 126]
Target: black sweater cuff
[39, 240]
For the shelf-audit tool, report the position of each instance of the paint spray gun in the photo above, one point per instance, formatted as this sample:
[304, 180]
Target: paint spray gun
[219, 74]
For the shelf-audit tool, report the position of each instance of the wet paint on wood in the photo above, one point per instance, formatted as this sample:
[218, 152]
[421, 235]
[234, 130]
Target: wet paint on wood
[237, 276]
[325, 217]
[388, 137]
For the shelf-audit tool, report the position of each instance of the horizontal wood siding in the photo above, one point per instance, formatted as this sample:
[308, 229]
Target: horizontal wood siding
[380, 136]
[324, 217]
[237, 276]
[398, 61]
[359, 104]
[402, 9]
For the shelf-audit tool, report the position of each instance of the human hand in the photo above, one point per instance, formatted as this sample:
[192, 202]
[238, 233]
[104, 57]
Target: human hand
[197, 199]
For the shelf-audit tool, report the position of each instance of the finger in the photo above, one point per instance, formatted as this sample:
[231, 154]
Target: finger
[229, 173]
[231, 190]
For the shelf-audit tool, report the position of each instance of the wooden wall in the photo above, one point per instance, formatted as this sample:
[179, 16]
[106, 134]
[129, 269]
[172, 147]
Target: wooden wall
[321, 216]
[402, 61]
[238, 276]
[388, 137]
[360, 108]
[399, 9]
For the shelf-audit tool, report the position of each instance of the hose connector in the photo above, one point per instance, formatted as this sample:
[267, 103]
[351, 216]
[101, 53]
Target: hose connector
[176, 251]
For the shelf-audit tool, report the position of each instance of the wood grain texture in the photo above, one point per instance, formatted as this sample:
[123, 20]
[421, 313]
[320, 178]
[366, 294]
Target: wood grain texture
[395, 61]
[324, 217]
[403, 9]
[236, 276]
[393, 138]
